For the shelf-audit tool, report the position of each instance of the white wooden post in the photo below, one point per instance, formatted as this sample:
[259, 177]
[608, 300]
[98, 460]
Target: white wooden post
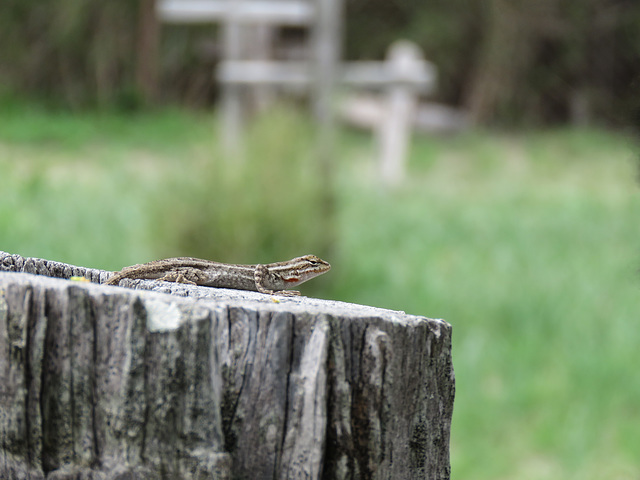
[259, 45]
[232, 93]
[327, 37]
[394, 131]
[404, 74]
[239, 18]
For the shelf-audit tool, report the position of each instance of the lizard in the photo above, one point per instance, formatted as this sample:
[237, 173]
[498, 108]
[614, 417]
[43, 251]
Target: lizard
[270, 278]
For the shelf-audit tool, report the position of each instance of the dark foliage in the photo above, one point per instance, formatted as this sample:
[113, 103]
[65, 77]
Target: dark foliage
[507, 61]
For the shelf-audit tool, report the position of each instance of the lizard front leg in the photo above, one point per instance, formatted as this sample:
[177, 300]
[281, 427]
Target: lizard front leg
[261, 276]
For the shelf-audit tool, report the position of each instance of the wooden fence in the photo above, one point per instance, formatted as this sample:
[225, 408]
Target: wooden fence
[403, 76]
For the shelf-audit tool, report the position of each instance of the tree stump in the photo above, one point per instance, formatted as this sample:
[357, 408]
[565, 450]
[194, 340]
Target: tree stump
[101, 382]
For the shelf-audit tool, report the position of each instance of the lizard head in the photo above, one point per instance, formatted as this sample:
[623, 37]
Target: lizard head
[301, 269]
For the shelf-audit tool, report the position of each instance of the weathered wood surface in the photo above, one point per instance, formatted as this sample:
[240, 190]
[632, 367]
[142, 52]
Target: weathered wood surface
[100, 382]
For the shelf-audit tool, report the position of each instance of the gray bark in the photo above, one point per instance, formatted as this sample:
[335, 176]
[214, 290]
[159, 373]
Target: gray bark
[100, 382]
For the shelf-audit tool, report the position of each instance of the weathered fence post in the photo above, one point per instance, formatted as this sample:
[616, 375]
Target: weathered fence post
[232, 94]
[110, 383]
[405, 63]
[321, 17]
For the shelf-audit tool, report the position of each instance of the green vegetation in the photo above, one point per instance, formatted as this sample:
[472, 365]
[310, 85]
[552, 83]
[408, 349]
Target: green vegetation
[527, 243]
[528, 65]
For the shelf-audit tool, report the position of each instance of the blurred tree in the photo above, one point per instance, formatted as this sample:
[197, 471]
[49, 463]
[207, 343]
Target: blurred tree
[507, 61]
[77, 52]
[514, 61]
[147, 51]
[501, 63]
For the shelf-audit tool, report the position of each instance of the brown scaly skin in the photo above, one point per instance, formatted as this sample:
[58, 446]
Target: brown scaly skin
[271, 278]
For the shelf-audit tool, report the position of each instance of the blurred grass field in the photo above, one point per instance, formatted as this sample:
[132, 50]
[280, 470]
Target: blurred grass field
[527, 243]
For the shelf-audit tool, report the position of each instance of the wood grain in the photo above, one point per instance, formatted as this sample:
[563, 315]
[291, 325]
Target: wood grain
[99, 382]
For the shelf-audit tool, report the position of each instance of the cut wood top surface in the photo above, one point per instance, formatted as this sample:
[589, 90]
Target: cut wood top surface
[165, 293]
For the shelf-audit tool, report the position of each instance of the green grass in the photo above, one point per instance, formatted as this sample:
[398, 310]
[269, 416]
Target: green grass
[527, 243]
